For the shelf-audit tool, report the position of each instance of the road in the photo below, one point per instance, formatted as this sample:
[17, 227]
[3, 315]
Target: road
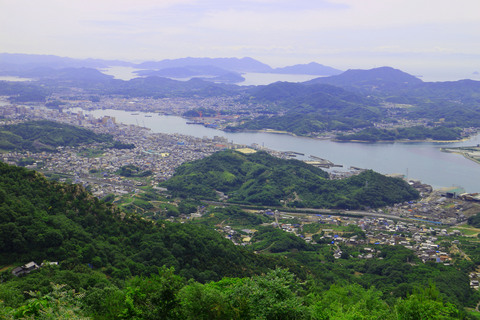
[319, 211]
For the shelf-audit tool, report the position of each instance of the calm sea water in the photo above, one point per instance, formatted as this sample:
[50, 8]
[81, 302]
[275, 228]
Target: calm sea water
[422, 161]
[14, 79]
[427, 75]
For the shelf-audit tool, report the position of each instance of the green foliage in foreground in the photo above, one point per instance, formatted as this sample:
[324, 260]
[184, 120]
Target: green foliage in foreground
[262, 179]
[275, 295]
[45, 135]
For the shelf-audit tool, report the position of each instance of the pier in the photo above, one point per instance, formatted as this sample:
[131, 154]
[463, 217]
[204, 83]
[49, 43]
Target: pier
[322, 163]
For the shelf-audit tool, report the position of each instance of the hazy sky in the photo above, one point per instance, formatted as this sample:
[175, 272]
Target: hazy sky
[340, 33]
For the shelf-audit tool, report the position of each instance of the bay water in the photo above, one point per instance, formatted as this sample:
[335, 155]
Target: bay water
[417, 160]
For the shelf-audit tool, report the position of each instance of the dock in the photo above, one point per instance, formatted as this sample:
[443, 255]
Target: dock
[295, 153]
[322, 163]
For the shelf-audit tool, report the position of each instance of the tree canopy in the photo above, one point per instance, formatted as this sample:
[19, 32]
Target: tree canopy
[262, 179]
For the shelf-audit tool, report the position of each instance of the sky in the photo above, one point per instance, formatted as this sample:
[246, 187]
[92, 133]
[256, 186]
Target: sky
[413, 35]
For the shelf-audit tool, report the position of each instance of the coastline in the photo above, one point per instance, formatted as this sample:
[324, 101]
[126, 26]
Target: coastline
[405, 141]
[353, 141]
[324, 147]
[333, 139]
[461, 151]
[471, 158]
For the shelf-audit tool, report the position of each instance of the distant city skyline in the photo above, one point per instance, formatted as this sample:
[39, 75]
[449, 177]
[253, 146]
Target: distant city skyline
[412, 35]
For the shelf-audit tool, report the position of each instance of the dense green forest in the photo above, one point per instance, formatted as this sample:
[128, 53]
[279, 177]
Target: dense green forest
[43, 220]
[276, 295]
[44, 135]
[409, 133]
[266, 180]
[304, 124]
[114, 265]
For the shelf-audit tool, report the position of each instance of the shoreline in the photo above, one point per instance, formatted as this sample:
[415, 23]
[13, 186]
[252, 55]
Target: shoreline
[405, 141]
[327, 146]
[352, 141]
[333, 139]
[458, 150]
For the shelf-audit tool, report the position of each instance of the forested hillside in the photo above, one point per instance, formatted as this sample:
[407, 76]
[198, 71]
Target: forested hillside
[45, 135]
[358, 99]
[306, 109]
[114, 265]
[43, 220]
[266, 180]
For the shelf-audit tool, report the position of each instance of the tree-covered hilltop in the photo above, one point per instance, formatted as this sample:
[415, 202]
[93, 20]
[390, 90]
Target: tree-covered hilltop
[44, 135]
[304, 110]
[262, 179]
[44, 220]
[358, 99]
[382, 79]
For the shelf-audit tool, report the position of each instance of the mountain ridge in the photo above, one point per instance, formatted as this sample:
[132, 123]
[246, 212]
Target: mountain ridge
[370, 78]
[311, 68]
[17, 64]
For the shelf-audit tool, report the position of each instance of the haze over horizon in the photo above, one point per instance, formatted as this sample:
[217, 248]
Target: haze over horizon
[414, 36]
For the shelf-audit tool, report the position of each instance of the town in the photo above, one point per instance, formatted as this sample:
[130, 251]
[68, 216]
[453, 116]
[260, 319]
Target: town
[414, 225]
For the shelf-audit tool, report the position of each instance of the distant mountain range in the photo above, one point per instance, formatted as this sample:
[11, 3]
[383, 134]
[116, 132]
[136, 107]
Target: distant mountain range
[19, 61]
[70, 73]
[207, 72]
[230, 64]
[354, 99]
[227, 69]
[311, 68]
[401, 86]
[239, 65]
[373, 79]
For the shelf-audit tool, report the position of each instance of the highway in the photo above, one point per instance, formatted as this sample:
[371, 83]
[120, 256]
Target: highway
[313, 211]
